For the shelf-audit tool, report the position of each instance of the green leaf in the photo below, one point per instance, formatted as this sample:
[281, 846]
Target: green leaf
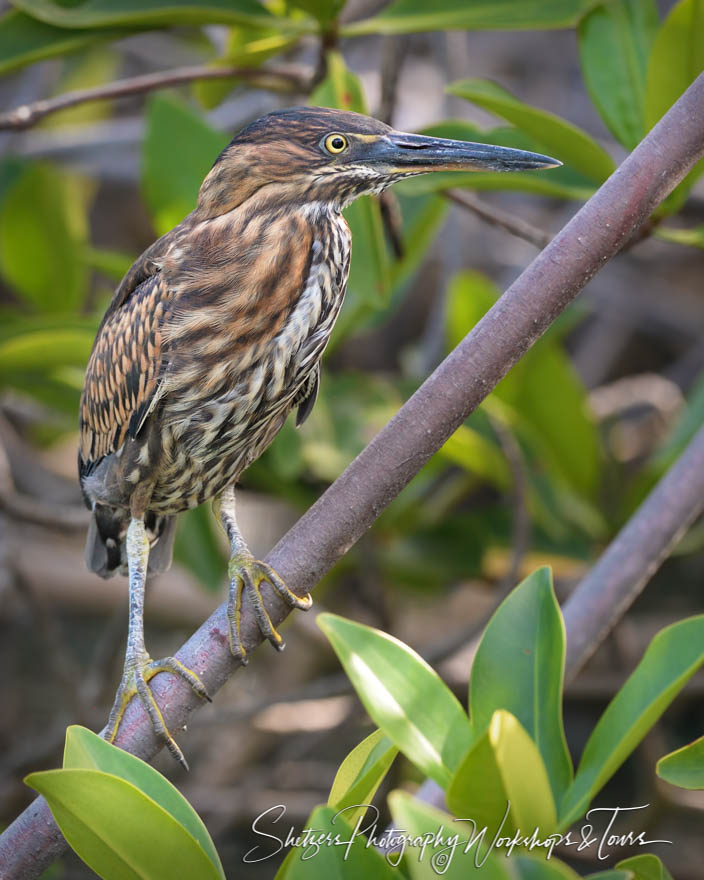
[360, 774]
[671, 659]
[24, 40]
[453, 860]
[42, 349]
[119, 831]
[324, 11]
[474, 453]
[519, 667]
[411, 16]
[179, 150]
[503, 775]
[42, 229]
[557, 136]
[85, 750]
[334, 862]
[154, 13]
[645, 867]
[369, 281]
[543, 383]
[684, 767]
[614, 44]
[403, 695]
[676, 59]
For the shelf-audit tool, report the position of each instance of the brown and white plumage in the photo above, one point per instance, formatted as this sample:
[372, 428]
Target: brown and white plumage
[216, 334]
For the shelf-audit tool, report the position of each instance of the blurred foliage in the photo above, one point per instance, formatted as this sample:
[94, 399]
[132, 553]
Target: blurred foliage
[535, 429]
[633, 67]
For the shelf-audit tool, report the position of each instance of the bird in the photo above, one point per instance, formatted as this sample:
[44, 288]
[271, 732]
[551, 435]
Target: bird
[215, 335]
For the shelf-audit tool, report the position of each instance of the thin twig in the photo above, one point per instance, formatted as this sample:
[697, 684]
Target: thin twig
[342, 515]
[283, 78]
[497, 217]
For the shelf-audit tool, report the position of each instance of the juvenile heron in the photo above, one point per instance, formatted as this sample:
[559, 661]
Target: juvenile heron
[215, 334]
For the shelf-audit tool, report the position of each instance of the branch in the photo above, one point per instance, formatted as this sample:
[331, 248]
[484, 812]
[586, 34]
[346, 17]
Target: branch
[496, 217]
[634, 556]
[284, 78]
[342, 515]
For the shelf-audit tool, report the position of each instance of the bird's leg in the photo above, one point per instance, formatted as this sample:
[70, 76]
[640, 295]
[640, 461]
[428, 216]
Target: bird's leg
[139, 667]
[247, 574]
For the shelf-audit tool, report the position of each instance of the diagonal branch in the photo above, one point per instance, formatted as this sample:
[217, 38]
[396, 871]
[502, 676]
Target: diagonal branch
[497, 217]
[283, 78]
[342, 515]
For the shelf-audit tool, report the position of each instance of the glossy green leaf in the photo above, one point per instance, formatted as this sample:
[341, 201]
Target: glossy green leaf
[645, 867]
[614, 44]
[452, 858]
[503, 783]
[153, 13]
[673, 656]
[179, 150]
[403, 695]
[612, 875]
[519, 667]
[557, 137]
[684, 767]
[85, 750]
[324, 11]
[24, 40]
[42, 228]
[360, 775]
[118, 831]
[333, 862]
[369, 281]
[676, 59]
[411, 16]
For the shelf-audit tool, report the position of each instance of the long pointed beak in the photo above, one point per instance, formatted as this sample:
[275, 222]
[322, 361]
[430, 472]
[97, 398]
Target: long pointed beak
[415, 153]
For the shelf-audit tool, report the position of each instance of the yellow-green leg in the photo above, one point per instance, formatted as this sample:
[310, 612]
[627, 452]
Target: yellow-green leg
[139, 667]
[247, 575]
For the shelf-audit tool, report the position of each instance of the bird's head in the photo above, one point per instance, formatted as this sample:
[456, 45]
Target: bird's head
[314, 154]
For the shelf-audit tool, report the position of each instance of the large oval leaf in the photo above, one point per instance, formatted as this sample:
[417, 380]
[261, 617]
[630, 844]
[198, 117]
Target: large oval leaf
[502, 782]
[559, 137]
[519, 667]
[403, 695]
[673, 656]
[118, 831]
[410, 16]
[360, 774]
[614, 44]
[685, 767]
[85, 750]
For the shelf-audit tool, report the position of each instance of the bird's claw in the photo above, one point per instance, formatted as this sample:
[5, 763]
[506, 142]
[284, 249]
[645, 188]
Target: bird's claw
[135, 682]
[246, 576]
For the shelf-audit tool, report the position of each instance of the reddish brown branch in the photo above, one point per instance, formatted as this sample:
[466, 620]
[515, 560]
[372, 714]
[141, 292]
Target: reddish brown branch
[342, 515]
[283, 78]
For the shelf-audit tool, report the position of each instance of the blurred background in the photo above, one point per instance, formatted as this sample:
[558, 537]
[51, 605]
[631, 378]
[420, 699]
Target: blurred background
[546, 471]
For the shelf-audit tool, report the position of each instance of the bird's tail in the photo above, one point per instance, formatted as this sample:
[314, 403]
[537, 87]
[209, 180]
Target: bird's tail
[105, 545]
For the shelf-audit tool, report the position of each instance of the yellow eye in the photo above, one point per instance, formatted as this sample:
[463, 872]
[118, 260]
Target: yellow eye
[335, 143]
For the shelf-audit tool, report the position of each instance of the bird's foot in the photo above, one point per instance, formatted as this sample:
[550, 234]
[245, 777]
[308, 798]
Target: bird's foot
[247, 576]
[139, 670]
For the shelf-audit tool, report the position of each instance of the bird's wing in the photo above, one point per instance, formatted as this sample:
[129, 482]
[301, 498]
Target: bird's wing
[123, 373]
[305, 401]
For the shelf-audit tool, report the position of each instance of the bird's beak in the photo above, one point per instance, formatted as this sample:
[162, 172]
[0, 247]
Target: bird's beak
[414, 153]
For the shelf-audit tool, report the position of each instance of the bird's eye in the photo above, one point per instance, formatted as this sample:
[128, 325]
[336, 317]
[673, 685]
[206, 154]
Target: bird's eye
[335, 143]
